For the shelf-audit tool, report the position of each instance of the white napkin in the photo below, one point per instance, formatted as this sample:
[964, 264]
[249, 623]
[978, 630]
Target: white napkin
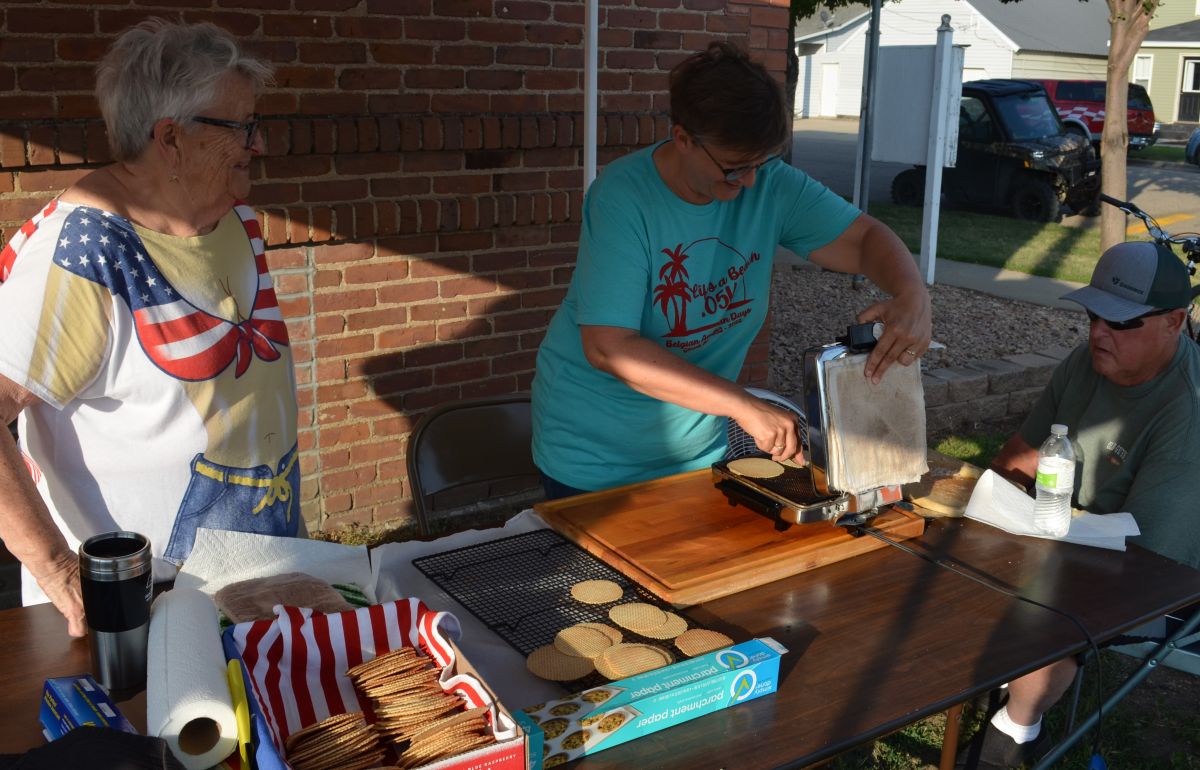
[1004, 505]
[221, 557]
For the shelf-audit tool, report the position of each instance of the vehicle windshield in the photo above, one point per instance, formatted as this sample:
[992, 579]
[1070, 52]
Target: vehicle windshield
[1139, 99]
[1028, 116]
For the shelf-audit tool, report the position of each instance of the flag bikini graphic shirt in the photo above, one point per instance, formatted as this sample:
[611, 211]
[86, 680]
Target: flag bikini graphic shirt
[693, 278]
[165, 376]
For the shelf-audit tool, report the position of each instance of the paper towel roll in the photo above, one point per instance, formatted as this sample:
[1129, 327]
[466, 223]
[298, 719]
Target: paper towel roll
[187, 691]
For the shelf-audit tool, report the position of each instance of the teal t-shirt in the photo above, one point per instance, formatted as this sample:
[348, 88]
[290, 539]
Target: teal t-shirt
[1135, 447]
[693, 278]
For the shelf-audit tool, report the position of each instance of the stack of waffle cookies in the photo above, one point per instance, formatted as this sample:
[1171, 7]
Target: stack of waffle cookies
[415, 720]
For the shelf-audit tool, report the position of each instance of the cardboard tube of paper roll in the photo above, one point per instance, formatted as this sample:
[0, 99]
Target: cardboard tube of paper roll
[187, 690]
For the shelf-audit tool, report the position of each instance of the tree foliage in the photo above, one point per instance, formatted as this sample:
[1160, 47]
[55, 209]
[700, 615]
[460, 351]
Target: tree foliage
[1129, 22]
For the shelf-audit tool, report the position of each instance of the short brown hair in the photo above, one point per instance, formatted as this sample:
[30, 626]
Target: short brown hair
[721, 96]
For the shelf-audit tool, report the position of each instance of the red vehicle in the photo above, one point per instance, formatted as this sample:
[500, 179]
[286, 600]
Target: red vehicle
[1080, 105]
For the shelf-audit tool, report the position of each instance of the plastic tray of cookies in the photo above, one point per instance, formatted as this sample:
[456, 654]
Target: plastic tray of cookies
[520, 587]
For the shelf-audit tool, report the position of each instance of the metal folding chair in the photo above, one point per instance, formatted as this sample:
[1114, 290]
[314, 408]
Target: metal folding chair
[466, 453]
[1181, 636]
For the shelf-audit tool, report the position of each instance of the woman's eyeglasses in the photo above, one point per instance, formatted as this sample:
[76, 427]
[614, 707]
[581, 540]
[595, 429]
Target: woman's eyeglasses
[734, 174]
[1124, 326]
[250, 126]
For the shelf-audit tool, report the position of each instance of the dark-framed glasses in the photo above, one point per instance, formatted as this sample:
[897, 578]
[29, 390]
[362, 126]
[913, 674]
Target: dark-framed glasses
[250, 126]
[734, 174]
[1124, 326]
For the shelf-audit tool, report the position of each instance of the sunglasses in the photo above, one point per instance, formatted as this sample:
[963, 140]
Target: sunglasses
[734, 174]
[1124, 326]
[250, 126]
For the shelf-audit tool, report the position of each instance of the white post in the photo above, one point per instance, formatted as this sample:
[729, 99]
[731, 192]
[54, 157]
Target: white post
[866, 125]
[936, 152]
[590, 89]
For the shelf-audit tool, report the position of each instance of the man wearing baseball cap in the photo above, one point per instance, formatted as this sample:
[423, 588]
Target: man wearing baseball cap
[1131, 398]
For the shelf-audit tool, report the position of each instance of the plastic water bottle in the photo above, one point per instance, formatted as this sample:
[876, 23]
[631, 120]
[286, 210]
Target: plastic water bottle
[1055, 483]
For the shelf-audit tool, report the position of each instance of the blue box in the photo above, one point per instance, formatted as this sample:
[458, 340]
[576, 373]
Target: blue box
[73, 701]
[593, 720]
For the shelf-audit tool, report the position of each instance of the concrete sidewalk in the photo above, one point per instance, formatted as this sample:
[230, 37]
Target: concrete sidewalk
[1008, 284]
[998, 282]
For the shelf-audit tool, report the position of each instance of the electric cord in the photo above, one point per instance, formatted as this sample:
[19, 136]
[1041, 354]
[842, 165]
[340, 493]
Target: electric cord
[868, 530]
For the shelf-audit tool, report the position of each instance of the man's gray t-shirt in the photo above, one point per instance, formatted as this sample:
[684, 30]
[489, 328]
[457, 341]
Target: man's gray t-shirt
[1135, 446]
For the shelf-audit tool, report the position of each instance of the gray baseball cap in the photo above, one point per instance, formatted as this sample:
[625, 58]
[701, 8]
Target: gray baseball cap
[1132, 279]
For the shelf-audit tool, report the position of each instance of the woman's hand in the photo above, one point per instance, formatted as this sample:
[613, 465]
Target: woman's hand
[61, 584]
[907, 329]
[773, 428]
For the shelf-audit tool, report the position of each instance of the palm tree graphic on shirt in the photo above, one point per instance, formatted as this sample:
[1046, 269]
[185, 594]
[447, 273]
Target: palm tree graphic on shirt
[674, 294]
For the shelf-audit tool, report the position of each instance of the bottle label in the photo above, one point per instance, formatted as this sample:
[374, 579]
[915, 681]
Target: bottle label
[1056, 476]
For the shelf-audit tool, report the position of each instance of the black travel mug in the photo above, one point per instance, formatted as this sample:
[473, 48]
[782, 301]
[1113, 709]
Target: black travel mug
[117, 583]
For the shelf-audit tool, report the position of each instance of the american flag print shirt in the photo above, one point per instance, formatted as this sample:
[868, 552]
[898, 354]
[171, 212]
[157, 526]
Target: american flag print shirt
[147, 351]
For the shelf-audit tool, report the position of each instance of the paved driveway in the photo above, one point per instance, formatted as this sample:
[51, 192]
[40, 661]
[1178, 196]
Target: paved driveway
[825, 149]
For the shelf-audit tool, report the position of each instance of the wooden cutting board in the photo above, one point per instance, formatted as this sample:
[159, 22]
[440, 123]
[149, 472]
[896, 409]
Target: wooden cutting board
[946, 489]
[682, 540]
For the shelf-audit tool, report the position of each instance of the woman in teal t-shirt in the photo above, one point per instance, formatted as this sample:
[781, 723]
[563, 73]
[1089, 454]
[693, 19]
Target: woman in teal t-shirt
[672, 284]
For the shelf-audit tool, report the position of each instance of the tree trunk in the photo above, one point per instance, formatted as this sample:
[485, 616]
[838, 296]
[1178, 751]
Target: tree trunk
[1129, 21]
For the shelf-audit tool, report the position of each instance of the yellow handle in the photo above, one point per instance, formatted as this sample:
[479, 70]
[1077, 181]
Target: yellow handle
[241, 709]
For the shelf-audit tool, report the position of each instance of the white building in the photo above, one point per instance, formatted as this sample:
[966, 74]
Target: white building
[1063, 39]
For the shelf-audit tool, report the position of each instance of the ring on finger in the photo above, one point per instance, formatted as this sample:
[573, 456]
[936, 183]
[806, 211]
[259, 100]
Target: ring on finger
[911, 352]
[778, 446]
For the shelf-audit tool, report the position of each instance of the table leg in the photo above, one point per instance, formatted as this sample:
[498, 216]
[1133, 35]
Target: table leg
[950, 737]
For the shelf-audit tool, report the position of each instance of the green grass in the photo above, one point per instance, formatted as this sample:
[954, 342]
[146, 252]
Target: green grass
[1164, 152]
[1046, 249]
[975, 448]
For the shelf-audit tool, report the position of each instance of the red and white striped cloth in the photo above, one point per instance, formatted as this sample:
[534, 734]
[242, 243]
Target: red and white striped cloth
[297, 662]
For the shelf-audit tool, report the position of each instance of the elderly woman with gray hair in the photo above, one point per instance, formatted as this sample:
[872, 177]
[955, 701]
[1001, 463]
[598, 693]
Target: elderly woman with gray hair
[144, 350]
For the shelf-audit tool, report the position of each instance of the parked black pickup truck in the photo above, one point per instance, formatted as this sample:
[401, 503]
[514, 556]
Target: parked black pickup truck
[1013, 155]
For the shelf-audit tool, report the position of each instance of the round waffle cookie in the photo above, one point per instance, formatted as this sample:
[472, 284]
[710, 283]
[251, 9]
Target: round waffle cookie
[596, 591]
[582, 642]
[674, 626]
[637, 616]
[607, 630]
[755, 467]
[626, 659]
[698, 641]
[548, 662]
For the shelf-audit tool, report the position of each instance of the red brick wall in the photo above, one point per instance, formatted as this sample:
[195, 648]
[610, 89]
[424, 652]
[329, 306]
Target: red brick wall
[420, 193]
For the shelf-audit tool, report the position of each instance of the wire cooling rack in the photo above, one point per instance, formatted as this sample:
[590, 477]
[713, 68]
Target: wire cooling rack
[520, 587]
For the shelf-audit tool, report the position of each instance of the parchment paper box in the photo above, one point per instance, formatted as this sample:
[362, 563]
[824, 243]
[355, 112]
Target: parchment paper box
[602, 717]
[73, 701]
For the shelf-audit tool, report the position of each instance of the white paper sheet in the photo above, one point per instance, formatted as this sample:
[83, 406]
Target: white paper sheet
[502, 667]
[1004, 505]
[221, 557]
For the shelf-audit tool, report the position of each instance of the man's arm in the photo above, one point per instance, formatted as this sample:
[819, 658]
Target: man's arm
[870, 248]
[654, 371]
[26, 527]
[1017, 461]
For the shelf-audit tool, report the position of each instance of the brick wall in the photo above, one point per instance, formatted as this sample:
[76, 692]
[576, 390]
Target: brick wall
[987, 395]
[420, 192]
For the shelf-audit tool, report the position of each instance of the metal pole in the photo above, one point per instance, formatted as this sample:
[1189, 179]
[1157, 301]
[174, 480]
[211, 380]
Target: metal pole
[590, 89]
[862, 187]
[1163, 650]
[935, 154]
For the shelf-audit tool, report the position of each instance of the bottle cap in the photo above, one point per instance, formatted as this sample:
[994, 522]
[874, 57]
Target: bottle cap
[1058, 429]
